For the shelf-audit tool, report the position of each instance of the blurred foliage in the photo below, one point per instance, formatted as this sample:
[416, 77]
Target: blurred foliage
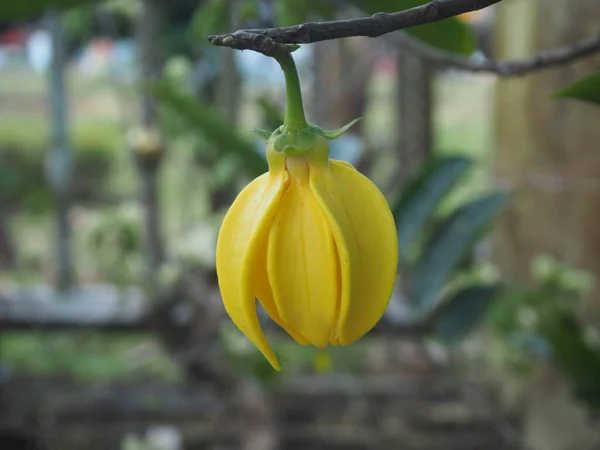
[542, 323]
[115, 243]
[587, 89]
[211, 17]
[552, 322]
[205, 119]
[292, 12]
[441, 288]
[450, 34]
[115, 18]
[464, 311]
[24, 145]
[422, 194]
[215, 16]
[432, 247]
[244, 360]
[87, 356]
[273, 116]
[449, 245]
[11, 10]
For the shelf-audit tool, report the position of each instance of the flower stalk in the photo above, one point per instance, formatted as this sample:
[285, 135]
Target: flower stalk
[295, 119]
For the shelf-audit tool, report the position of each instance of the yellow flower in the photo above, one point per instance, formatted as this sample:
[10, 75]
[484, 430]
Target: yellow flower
[314, 241]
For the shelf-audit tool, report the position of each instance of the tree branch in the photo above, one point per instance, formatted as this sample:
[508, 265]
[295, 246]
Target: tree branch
[271, 41]
[544, 59]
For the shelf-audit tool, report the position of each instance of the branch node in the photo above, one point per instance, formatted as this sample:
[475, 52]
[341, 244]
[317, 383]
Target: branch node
[380, 16]
[432, 11]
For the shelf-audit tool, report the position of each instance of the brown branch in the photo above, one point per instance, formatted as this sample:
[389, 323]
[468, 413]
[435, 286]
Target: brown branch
[542, 60]
[271, 41]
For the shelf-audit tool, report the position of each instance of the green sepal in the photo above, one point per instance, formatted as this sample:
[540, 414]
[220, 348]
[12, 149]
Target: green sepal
[292, 47]
[294, 143]
[334, 134]
[265, 134]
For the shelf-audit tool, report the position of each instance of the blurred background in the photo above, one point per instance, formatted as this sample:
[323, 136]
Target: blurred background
[124, 138]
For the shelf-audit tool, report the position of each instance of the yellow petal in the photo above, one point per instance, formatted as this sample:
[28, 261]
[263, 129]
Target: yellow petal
[303, 265]
[343, 163]
[244, 229]
[264, 293]
[365, 234]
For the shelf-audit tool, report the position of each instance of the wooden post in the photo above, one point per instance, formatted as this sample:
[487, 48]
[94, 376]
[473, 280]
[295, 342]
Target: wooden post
[149, 156]
[60, 160]
[415, 138]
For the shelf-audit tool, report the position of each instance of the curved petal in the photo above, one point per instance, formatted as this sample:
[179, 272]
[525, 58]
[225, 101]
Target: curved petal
[365, 233]
[238, 247]
[302, 265]
[343, 163]
[264, 293]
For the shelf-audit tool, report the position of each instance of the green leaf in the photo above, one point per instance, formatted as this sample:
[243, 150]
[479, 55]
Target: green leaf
[578, 359]
[214, 128]
[453, 241]
[419, 199]
[450, 34]
[587, 89]
[11, 10]
[211, 17]
[463, 312]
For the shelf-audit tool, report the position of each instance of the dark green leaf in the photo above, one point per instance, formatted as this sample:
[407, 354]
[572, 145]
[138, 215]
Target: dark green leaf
[463, 312]
[587, 90]
[450, 34]
[11, 10]
[454, 239]
[208, 122]
[422, 195]
[573, 354]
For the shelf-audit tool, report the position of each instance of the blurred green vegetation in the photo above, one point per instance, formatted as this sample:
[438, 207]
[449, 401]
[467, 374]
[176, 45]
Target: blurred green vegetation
[87, 356]
[243, 359]
[442, 214]
[543, 323]
[186, 183]
[24, 146]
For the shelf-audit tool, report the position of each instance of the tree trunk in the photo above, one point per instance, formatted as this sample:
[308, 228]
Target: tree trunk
[547, 154]
[547, 150]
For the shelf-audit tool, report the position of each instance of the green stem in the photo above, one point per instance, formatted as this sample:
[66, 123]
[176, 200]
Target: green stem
[294, 110]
